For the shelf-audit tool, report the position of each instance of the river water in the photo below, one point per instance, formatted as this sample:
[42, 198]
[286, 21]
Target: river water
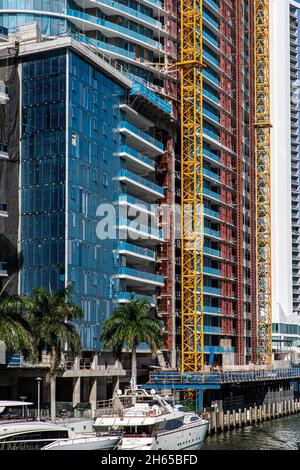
[280, 434]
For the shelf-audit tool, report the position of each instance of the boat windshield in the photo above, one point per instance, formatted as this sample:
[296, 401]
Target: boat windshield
[142, 431]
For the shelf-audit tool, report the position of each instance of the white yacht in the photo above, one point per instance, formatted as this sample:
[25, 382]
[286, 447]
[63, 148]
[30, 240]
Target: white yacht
[26, 434]
[149, 422]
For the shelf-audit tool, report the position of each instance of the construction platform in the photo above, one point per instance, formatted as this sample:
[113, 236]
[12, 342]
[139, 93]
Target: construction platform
[214, 380]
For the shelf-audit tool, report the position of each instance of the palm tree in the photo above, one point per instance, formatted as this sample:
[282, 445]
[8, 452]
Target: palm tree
[128, 326]
[15, 330]
[50, 315]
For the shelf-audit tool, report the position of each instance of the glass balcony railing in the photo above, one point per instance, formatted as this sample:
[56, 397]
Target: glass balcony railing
[212, 290]
[139, 88]
[211, 96]
[142, 275]
[209, 154]
[212, 330]
[132, 12]
[211, 77]
[208, 192]
[102, 45]
[209, 309]
[218, 349]
[210, 39]
[136, 226]
[141, 134]
[213, 233]
[211, 213]
[213, 4]
[137, 202]
[137, 155]
[124, 246]
[211, 58]
[211, 115]
[114, 27]
[143, 181]
[134, 296]
[211, 251]
[212, 271]
[210, 20]
[211, 174]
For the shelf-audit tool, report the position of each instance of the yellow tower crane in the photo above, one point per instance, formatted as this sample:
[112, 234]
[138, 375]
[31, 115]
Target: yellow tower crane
[263, 176]
[191, 68]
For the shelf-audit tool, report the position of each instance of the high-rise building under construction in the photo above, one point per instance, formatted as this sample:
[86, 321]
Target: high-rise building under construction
[284, 60]
[104, 86]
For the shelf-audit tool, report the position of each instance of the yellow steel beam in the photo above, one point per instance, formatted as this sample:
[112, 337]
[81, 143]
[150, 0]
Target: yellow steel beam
[192, 336]
[263, 196]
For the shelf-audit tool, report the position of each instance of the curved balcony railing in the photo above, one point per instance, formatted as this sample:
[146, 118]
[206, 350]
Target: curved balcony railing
[143, 181]
[141, 134]
[124, 246]
[114, 27]
[136, 226]
[132, 295]
[141, 275]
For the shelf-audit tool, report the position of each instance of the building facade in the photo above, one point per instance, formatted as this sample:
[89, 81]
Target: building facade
[284, 41]
[88, 189]
[99, 119]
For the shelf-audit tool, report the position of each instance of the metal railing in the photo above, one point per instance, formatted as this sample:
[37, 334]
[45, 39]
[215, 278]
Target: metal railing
[222, 377]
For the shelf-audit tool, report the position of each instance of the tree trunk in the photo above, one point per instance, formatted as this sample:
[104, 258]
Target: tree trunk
[53, 385]
[133, 364]
[53, 397]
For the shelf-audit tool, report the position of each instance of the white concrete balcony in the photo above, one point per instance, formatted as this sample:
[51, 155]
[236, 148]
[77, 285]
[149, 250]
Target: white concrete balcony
[139, 186]
[136, 277]
[125, 200]
[135, 161]
[141, 141]
[133, 230]
[135, 253]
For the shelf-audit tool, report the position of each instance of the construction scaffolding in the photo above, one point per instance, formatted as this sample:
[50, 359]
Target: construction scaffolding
[192, 298]
[263, 196]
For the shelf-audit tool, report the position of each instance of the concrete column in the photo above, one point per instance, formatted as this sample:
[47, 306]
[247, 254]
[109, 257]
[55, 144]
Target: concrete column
[269, 410]
[86, 388]
[234, 418]
[45, 390]
[255, 414]
[228, 420]
[240, 418]
[93, 394]
[213, 421]
[115, 385]
[221, 420]
[95, 362]
[76, 390]
[245, 416]
[260, 413]
[250, 409]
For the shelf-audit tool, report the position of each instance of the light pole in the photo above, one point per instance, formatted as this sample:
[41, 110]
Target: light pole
[39, 379]
[23, 411]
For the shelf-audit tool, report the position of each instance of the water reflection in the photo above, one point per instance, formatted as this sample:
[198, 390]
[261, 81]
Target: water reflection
[280, 434]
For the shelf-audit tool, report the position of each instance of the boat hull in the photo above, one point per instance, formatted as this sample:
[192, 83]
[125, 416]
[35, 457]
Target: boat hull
[94, 443]
[186, 437]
